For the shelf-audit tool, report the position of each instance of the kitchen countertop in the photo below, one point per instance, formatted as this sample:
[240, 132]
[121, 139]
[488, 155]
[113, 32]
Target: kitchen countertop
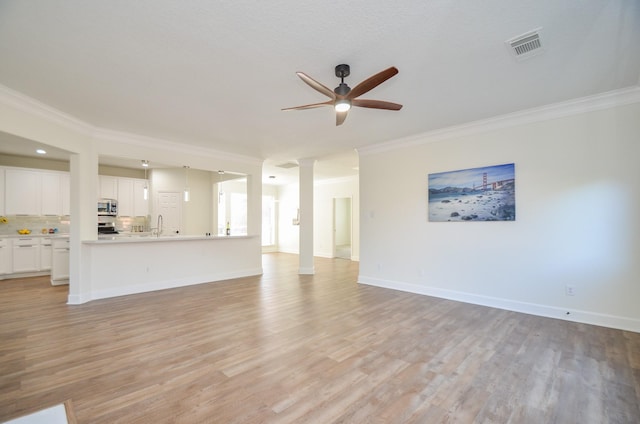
[33, 235]
[116, 238]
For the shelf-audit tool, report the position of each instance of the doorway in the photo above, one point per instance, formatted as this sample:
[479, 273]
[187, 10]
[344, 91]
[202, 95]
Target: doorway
[170, 207]
[342, 227]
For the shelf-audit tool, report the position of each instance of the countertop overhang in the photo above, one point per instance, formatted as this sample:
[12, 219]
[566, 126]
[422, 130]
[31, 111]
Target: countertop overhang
[115, 239]
[33, 235]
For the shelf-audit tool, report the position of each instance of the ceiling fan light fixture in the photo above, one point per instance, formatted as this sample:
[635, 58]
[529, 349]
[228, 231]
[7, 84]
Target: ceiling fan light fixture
[343, 97]
[342, 105]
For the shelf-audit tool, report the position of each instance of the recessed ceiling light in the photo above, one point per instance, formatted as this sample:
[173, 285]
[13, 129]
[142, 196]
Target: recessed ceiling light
[145, 163]
[41, 152]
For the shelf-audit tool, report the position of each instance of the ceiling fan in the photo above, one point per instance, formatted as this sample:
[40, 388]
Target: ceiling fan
[343, 97]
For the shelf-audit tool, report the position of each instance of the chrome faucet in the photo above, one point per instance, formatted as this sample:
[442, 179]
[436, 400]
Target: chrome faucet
[159, 225]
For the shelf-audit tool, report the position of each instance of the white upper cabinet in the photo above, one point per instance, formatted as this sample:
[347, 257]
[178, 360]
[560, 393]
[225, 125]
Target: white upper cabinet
[125, 197]
[35, 192]
[22, 192]
[51, 194]
[131, 201]
[65, 188]
[108, 187]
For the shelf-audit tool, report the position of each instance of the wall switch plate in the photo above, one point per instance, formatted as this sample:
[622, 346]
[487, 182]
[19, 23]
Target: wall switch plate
[570, 290]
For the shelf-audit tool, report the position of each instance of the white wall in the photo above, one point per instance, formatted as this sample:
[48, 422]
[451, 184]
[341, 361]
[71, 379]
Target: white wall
[324, 193]
[197, 212]
[342, 221]
[577, 203]
[288, 234]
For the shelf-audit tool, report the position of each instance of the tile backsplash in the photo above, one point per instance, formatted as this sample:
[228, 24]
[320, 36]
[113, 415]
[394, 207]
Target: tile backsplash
[39, 223]
[133, 224]
[34, 223]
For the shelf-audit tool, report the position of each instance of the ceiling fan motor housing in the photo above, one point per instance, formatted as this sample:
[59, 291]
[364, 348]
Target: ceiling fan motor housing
[342, 90]
[343, 71]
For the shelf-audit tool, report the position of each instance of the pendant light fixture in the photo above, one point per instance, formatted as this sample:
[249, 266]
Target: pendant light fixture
[145, 190]
[186, 183]
[220, 192]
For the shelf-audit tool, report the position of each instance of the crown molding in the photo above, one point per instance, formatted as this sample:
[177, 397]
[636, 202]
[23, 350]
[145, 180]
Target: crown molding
[106, 135]
[581, 105]
[34, 107]
[31, 106]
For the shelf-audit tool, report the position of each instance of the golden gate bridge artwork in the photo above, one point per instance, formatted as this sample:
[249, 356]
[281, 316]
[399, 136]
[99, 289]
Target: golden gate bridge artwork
[495, 185]
[476, 194]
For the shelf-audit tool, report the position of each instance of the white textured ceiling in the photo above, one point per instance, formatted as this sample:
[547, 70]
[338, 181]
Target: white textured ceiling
[216, 73]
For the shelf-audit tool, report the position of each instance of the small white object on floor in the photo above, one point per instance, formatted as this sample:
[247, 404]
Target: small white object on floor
[54, 415]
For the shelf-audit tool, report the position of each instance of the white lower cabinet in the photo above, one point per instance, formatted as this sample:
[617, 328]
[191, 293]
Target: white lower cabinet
[26, 255]
[60, 262]
[6, 261]
[45, 253]
[39, 255]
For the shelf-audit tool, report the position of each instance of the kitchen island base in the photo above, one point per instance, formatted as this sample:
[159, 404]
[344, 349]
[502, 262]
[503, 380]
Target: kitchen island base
[124, 266]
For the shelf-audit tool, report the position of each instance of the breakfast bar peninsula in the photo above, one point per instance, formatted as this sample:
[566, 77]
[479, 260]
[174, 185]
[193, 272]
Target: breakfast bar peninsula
[119, 266]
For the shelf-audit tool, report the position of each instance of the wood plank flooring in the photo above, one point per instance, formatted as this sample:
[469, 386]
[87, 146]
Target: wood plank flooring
[285, 348]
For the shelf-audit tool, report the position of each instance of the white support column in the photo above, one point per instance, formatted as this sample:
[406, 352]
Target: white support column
[306, 216]
[84, 220]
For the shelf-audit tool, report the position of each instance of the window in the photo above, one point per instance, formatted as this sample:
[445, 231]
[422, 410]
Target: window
[232, 207]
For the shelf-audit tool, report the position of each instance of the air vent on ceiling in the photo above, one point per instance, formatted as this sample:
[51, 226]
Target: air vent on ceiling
[287, 165]
[526, 45]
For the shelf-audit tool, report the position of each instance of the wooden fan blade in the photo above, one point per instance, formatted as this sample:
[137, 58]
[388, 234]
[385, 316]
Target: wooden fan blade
[376, 104]
[316, 85]
[340, 117]
[372, 82]
[311, 106]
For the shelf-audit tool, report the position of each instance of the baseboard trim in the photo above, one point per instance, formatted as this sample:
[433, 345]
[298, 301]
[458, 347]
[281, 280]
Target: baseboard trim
[78, 299]
[585, 317]
[159, 285]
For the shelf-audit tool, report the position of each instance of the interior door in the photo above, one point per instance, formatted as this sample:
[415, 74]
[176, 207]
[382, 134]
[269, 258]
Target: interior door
[170, 207]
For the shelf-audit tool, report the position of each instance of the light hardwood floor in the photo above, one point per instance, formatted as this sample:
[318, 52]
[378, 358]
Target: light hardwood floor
[284, 348]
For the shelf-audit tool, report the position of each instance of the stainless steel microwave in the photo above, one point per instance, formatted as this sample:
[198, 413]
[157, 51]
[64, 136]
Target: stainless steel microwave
[107, 207]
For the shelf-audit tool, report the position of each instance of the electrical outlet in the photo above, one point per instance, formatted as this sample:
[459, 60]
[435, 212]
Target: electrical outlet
[570, 290]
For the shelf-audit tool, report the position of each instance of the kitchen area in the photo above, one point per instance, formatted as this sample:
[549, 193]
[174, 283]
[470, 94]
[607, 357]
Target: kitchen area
[156, 228]
[34, 224]
[35, 216]
[84, 163]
